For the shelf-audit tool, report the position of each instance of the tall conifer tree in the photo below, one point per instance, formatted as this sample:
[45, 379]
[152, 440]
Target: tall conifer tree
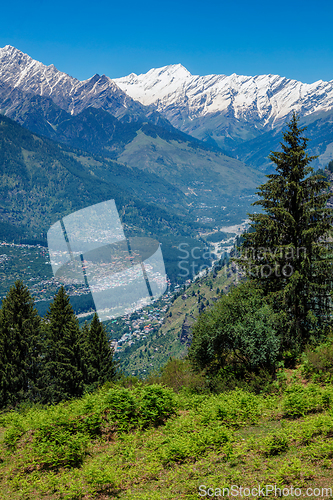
[20, 347]
[99, 364]
[63, 377]
[286, 252]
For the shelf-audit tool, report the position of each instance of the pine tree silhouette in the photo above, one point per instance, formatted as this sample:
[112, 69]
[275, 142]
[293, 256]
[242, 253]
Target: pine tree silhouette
[63, 363]
[100, 366]
[20, 347]
[287, 249]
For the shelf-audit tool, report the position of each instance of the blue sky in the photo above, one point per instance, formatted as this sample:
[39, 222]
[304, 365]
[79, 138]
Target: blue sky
[290, 38]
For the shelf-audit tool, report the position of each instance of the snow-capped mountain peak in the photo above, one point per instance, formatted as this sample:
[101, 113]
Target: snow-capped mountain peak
[20, 73]
[184, 98]
[156, 84]
[226, 110]
[19, 70]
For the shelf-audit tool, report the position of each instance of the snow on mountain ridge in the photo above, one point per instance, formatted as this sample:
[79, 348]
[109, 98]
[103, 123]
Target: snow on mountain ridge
[20, 71]
[269, 98]
[172, 90]
[161, 82]
[226, 109]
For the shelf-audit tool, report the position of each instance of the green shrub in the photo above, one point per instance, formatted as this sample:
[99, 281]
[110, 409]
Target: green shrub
[275, 444]
[54, 446]
[300, 400]
[189, 440]
[16, 427]
[121, 408]
[179, 375]
[157, 403]
[318, 364]
[293, 470]
[318, 451]
[90, 424]
[321, 425]
[176, 449]
[190, 401]
[98, 477]
[141, 407]
[12, 435]
[259, 381]
[234, 409]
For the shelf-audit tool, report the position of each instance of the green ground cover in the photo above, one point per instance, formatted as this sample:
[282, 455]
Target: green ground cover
[148, 442]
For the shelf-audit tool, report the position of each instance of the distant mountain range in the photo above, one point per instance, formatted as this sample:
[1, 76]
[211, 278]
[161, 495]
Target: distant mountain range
[205, 139]
[243, 115]
[98, 117]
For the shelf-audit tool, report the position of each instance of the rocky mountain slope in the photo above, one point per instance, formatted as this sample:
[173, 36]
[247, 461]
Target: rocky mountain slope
[43, 99]
[21, 76]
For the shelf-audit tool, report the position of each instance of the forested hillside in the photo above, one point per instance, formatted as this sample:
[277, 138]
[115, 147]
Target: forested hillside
[42, 182]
